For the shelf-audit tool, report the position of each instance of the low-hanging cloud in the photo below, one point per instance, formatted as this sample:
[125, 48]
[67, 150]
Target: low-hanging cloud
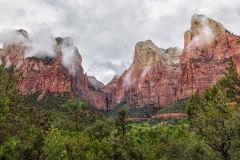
[108, 30]
[146, 70]
[128, 81]
[69, 58]
[206, 34]
[10, 36]
[40, 44]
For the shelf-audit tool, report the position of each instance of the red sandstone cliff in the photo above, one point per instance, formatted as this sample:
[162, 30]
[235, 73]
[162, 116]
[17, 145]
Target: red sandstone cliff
[49, 74]
[207, 47]
[110, 93]
[155, 78]
[40, 75]
[152, 77]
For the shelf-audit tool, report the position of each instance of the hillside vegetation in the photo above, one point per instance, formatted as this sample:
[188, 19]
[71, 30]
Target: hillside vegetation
[59, 128]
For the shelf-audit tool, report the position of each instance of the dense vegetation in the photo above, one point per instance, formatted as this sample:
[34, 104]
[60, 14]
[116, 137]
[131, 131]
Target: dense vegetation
[133, 111]
[71, 129]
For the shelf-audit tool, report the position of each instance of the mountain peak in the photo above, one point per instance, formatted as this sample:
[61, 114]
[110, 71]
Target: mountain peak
[97, 85]
[203, 32]
[207, 48]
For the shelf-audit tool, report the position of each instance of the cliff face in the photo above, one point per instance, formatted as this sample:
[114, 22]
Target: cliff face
[52, 74]
[207, 47]
[155, 78]
[40, 74]
[110, 93]
[152, 77]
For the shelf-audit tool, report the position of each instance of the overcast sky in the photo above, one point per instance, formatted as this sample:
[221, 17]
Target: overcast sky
[106, 31]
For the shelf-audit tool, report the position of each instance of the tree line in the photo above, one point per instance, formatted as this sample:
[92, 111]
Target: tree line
[78, 131]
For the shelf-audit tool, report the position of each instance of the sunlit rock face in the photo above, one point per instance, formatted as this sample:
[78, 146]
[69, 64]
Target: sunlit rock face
[152, 78]
[207, 48]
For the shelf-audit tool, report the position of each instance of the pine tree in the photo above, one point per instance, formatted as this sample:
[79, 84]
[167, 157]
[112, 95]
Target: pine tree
[8, 89]
[215, 118]
[121, 121]
[230, 83]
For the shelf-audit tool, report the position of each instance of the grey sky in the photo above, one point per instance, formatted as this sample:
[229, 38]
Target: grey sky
[106, 31]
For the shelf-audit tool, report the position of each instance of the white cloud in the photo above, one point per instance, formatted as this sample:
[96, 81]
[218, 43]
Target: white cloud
[11, 36]
[127, 81]
[40, 44]
[205, 36]
[69, 58]
[106, 30]
[146, 69]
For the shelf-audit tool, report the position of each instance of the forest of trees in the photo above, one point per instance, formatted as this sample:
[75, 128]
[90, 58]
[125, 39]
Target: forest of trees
[78, 131]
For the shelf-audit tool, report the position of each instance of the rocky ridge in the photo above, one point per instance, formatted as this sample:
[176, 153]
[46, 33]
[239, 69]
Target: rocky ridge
[207, 48]
[155, 79]
[48, 74]
[151, 79]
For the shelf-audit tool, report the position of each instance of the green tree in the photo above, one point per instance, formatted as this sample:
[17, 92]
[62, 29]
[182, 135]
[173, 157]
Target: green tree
[9, 80]
[38, 144]
[9, 99]
[54, 147]
[74, 105]
[215, 115]
[101, 129]
[230, 83]
[9, 149]
[121, 121]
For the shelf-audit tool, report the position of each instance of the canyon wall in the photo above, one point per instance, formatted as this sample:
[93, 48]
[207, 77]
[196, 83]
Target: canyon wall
[45, 74]
[156, 77]
[152, 78]
[207, 48]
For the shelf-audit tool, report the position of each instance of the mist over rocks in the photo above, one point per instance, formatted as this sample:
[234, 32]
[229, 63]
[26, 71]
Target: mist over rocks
[159, 76]
[59, 71]
[155, 78]
[207, 47]
[152, 78]
[41, 45]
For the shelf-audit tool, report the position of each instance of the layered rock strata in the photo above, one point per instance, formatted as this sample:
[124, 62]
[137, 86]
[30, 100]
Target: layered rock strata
[207, 48]
[152, 78]
[48, 74]
[156, 77]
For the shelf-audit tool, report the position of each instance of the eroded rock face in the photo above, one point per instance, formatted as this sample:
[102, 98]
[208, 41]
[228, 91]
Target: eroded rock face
[207, 48]
[155, 78]
[152, 78]
[110, 93]
[42, 74]
[53, 74]
[112, 84]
